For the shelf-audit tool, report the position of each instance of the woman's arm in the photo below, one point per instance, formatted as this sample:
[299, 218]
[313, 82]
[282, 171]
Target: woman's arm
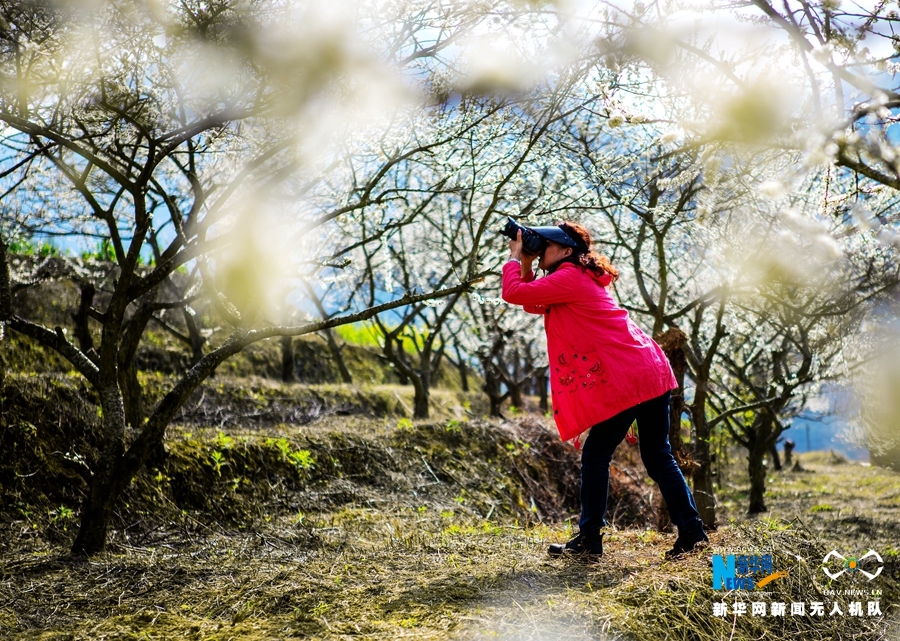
[559, 287]
[520, 288]
[527, 277]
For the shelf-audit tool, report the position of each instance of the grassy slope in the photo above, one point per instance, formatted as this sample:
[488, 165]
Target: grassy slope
[841, 503]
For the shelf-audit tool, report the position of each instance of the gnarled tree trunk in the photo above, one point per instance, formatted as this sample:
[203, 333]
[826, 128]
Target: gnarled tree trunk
[704, 496]
[106, 480]
[761, 440]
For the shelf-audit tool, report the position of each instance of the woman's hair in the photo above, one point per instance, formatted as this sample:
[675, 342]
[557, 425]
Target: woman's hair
[591, 260]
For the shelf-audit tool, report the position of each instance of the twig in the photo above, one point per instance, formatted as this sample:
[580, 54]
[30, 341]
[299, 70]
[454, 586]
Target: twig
[428, 467]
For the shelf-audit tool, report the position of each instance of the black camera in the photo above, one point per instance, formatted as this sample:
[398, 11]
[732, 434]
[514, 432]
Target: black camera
[532, 243]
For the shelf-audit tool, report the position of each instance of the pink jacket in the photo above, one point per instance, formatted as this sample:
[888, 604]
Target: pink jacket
[601, 363]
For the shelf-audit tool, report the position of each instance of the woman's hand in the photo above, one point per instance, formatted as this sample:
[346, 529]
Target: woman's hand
[516, 251]
[515, 247]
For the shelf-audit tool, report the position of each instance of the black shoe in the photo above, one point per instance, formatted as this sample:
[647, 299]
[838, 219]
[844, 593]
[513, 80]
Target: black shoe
[582, 546]
[693, 541]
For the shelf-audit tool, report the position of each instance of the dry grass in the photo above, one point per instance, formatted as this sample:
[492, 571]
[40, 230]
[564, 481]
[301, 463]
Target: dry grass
[426, 563]
[843, 503]
[407, 574]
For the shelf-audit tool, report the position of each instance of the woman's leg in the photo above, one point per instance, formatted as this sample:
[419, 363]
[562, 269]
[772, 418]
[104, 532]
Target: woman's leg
[596, 453]
[653, 431]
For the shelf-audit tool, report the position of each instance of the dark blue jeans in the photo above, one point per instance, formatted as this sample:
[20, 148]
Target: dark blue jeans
[653, 435]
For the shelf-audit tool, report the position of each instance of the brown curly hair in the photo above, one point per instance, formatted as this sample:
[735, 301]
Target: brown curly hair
[591, 260]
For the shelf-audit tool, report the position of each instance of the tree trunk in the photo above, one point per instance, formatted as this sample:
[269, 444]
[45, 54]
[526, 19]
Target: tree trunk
[287, 360]
[492, 389]
[757, 468]
[789, 450]
[96, 512]
[515, 395]
[197, 339]
[463, 370]
[420, 378]
[114, 468]
[496, 403]
[704, 496]
[703, 492]
[338, 355]
[395, 357]
[106, 483]
[132, 395]
[761, 439]
[80, 317]
[776, 459]
[420, 403]
[542, 391]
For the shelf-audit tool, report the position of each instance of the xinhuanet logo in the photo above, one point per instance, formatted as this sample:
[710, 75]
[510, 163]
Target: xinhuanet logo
[740, 572]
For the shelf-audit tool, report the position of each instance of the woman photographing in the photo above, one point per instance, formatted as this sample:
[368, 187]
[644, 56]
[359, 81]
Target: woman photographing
[605, 373]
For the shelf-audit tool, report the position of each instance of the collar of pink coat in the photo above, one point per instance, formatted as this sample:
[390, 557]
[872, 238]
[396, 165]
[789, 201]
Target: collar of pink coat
[602, 279]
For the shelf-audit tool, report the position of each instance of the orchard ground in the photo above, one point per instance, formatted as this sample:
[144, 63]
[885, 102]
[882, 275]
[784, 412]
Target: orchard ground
[409, 537]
